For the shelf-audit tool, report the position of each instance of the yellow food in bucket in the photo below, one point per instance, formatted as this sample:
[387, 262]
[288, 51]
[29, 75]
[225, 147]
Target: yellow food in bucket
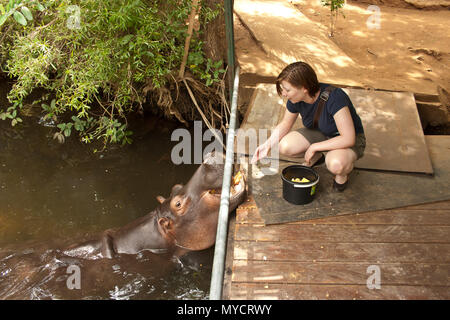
[298, 180]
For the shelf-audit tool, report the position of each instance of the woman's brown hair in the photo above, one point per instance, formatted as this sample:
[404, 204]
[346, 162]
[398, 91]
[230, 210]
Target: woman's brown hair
[299, 74]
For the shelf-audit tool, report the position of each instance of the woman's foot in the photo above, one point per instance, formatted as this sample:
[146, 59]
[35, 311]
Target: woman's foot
[341, 185]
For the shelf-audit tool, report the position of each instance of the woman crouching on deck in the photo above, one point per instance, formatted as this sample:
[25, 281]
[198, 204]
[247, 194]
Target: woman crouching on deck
[331, 125]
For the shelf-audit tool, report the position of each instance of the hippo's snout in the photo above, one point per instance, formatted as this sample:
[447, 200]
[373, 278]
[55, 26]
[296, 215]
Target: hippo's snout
[210, 174]
[215, 163]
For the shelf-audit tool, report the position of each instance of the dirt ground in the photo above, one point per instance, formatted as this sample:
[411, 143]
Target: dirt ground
[411, 46]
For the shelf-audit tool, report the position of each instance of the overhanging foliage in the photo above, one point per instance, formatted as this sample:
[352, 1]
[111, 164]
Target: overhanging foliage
[108, 54]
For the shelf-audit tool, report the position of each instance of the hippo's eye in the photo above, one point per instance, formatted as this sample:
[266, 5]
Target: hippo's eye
[178, 205]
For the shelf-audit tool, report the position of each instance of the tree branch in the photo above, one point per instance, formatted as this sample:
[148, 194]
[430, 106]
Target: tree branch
[195, 4]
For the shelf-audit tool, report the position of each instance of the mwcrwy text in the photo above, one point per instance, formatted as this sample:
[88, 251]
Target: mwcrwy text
[230, 309]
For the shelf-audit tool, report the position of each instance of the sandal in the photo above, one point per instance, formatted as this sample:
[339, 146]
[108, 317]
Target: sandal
[339, 186]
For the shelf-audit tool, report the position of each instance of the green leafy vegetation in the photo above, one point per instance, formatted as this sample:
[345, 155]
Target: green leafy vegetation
[99, 60]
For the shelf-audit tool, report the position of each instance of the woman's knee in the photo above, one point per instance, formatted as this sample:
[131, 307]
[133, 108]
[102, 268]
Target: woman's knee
[339, 165]
[292, 145]
[284, 147]
[335, 166]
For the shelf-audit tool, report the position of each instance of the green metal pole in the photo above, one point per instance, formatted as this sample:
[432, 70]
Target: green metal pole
[221, 236]
[229, 30]
[215, 292]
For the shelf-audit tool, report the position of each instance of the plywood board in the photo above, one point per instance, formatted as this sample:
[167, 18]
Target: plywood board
[367, 190]
[266, 109]
[395, 140]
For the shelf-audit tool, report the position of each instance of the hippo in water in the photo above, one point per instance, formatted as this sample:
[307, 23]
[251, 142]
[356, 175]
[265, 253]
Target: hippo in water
[129, 261]
[185, 221]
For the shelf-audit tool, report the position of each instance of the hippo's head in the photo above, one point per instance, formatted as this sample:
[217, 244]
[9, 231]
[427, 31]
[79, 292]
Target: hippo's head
[188, 218]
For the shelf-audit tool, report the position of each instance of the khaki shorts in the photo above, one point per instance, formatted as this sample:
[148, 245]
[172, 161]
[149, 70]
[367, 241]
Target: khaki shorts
[314, 136]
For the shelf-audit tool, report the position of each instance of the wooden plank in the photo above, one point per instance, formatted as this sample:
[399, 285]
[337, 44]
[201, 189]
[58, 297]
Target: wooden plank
[340, 273]
[389, 217]
[264, 108]
[424, 97]
[256, 291]
[229, 260]
[386, 217]
[344, 233]
[322, 251]
[412, 215]
[432, 206]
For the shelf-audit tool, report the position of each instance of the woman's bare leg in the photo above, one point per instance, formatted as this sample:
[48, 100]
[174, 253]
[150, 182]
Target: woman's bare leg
[294, 144]
[340, 163]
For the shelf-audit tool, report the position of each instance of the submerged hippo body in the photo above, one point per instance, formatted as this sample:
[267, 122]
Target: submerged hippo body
[185, 221]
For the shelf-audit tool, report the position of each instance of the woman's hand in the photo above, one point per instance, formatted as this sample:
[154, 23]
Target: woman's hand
[310, 153]
[260, 152]
[277, 134]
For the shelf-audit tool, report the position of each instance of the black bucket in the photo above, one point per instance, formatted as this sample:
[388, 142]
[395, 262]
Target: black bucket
[299, 192]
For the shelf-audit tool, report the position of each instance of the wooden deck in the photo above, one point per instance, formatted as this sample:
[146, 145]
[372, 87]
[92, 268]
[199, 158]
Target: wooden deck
[329, 258]
[339, 257]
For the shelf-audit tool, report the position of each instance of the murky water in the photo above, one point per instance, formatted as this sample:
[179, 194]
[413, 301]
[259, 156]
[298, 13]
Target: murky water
[52, 195]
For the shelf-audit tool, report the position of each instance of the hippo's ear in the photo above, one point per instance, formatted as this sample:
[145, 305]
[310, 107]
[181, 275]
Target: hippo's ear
[175, 189]
[165, 227]
[160, 199]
